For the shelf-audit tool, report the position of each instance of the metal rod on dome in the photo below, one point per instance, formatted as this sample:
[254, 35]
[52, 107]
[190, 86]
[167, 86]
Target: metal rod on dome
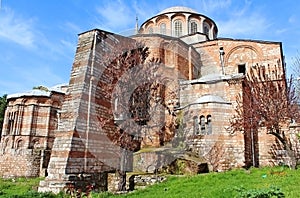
[136, 25]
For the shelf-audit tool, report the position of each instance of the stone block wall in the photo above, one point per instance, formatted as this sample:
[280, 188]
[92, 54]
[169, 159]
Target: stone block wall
[82, 143]
[237, 52]
[20, 163]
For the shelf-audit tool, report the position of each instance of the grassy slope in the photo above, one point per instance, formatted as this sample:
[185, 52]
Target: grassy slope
[208, 185]
[17, 186]
[225, 184]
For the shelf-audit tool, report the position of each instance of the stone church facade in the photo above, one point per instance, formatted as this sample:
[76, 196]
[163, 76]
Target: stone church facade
[204, 73]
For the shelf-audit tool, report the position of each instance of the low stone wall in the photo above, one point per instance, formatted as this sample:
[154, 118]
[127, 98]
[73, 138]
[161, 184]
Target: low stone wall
[151, 161]
[20, 163]
[133, 181]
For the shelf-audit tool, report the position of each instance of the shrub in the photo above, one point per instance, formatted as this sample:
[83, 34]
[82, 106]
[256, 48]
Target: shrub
[260, 193]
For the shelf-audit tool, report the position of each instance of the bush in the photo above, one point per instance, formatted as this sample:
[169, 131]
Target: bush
[35, 194]
[260, 193]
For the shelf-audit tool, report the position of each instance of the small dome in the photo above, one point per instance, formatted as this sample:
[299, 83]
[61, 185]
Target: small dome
[178, 9]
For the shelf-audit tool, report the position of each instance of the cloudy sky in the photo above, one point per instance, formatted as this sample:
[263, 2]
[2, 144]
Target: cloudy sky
[38, 38]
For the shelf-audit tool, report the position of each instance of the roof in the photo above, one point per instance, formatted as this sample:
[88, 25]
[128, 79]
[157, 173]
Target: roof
[213, 78]
[178, 9]
[209, 98]
[39, 92]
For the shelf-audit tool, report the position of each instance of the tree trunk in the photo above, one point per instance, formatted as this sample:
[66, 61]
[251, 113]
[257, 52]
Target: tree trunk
[122, 180]
[122, 170]
[291, 158]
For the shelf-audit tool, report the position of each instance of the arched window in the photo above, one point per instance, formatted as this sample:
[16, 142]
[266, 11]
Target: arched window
[202, 125]
[196, 125]
[178, 28]
[19, 144]
[193, 27]
[209, 125]
[163, 28]
[150, 30]
[206, 29]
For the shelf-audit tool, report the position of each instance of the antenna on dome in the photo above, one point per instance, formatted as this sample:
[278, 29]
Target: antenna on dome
[136, 24]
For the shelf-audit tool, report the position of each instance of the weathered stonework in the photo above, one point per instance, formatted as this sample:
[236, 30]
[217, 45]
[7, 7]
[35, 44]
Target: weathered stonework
[203, 78]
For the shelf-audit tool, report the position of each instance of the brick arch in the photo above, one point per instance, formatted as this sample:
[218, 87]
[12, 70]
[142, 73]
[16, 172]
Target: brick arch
[19, 143]
[178, 16]
[149, 24]
[56, 103]
[35, 143]
[161, 18]
[232, 51]
[5, 145]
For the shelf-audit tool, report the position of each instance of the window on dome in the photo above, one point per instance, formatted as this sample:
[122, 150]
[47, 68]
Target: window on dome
[150, 30]
[178, 28]
[163, 28]
[193, 27]
[206, 29]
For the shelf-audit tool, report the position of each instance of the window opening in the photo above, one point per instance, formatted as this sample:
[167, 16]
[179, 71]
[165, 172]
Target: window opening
[242, 69]
[196, 125]
[209, 125]
[178, 28]
[163, 28]
[202, 125]
[193, 27]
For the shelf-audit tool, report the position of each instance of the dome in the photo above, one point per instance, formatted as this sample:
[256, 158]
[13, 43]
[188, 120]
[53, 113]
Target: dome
[181, 22]
[178, 9]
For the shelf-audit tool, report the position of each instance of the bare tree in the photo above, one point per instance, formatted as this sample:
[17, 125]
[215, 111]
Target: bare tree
[267, 100]
[136, 90]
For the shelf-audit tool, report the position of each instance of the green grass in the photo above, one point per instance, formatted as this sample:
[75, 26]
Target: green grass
[235, 183]
[225, 184]
[17, 186]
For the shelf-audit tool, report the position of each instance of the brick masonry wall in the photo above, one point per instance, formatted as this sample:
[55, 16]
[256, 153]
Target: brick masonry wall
[20, 163]
[81, 143]
[29, 127]
[237, 52]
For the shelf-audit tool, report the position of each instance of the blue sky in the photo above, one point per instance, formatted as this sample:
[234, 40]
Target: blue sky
[38, 38]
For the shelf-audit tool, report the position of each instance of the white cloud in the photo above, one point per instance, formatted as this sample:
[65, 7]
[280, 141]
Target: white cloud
[115, 15]
[281, 31]
[214, 5]
[293, 19]
[246, 25]
[16, 29]
[71, 27]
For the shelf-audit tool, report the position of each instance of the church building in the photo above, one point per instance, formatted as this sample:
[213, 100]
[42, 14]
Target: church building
[62, 133]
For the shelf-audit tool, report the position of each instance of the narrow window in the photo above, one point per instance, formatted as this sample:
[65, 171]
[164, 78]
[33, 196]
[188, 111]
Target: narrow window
[193, 27]
[209, 125]
[150, 30]
[206, 29]
[178, 28]
[11, 123]
[196, 125]
[242, 69]
[202, 125]
[163, 28]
